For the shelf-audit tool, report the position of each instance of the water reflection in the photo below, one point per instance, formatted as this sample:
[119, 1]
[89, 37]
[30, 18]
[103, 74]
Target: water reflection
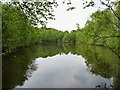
[67, 66]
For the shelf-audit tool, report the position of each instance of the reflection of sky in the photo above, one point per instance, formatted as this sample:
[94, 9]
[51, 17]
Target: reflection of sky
[65, 71]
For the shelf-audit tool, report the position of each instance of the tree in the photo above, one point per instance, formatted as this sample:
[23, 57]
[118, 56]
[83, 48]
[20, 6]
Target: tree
[38, 12]
[108, 3]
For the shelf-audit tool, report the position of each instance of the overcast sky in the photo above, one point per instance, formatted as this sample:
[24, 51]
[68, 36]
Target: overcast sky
[66, 20]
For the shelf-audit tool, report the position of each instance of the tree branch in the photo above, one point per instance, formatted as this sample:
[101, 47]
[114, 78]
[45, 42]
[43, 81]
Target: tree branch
[111, 9]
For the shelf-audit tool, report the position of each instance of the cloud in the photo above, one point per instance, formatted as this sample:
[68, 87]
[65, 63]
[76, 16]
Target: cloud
[66, 20]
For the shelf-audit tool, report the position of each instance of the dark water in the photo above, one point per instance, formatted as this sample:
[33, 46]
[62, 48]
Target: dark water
[61, 66]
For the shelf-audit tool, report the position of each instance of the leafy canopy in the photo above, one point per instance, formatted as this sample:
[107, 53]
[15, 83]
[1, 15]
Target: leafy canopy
[37, 11]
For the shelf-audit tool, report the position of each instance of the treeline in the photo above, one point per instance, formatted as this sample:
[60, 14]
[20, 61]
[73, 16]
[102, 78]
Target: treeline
[103, 29]
[17, 30]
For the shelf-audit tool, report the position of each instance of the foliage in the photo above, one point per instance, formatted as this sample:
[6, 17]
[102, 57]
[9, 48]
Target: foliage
[69, 37]
[101, 30]
[50, 35]
[38, 12]
[16, 30]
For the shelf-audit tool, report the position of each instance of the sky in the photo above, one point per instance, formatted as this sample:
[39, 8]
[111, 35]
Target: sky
[66, 20]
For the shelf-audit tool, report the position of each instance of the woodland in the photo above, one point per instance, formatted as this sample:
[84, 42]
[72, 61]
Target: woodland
[20, 20]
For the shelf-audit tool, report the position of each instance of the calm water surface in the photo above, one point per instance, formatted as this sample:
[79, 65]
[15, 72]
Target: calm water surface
[63, 66]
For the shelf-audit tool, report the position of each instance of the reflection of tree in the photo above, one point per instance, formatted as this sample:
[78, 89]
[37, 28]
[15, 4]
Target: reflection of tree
[103, 69]
[21, 64]
[100, 61]
[17, 68]
[69, 47]
[32, 67]
[117, 81]
[102, 86]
